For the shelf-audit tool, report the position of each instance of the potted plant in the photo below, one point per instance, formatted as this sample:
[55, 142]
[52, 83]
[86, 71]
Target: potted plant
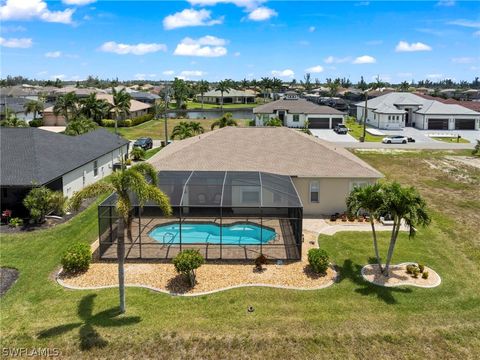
[333, 217]
[260, 261]
[344, 217]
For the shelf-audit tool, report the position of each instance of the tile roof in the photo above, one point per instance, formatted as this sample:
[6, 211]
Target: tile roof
[296, 106]
[277, 150]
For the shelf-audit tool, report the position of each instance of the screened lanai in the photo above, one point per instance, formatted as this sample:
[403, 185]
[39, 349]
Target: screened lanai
[228, 215]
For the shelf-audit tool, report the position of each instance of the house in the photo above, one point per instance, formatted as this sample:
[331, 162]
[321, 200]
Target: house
[399, 109]
[137, 108]
[294, 112]
[16, 105]
[233, 96]
[144, 97]
[322, 174]
[33, 157]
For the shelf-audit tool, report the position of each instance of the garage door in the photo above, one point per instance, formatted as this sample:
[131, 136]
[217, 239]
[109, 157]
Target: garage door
[336, 121]
[464, 124]
[437, 124]
[318, 123]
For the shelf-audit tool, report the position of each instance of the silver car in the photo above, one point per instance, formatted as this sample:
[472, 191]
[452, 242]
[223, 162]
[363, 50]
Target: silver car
[395, 139]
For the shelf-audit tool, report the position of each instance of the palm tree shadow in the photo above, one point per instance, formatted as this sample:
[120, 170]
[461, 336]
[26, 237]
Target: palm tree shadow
[89, 336]
[352, 272]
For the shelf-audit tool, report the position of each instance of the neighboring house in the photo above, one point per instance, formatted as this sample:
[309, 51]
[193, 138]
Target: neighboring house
[137, 108]
[144, 97]
[322, 174]
[33, 157]
[232, 97]
[294, 112]
[399, 109]
[472, 105]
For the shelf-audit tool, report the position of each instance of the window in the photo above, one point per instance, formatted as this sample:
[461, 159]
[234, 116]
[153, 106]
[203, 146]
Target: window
[389, 117]
[250, 196]
[314, 192]
[296, 118]
[95, 168]
[355, 184]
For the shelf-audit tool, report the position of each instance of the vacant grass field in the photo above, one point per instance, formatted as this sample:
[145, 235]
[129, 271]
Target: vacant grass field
[356, 130]
[156, 130]
[351, 319]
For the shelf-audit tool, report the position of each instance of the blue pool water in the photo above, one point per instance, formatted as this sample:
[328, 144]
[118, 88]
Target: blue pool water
[234, 234]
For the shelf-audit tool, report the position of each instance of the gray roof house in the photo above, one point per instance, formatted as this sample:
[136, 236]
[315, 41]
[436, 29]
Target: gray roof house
[233, 96]
[294, 112]
[33, 157]
[399, 109]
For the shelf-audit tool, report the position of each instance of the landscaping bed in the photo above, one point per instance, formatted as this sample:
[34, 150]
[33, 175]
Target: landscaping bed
[398, 276]
[8, 277]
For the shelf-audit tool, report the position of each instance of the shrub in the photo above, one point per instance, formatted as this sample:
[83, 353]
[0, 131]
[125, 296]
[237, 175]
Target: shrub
[251, 123]
[425, 275]
[128, 162]
[137, 154]
[41, 201]
[187, 261]
[108, 123]
[260, 261]
[15, 222]
[410, 268]
[127, 123]
[318, 260]
[36, 123]
[77, 258]
[416, 272]
[141, 119]
[58, 203]
[421, 267]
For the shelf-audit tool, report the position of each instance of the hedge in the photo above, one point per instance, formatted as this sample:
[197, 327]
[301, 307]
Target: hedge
[128, 122]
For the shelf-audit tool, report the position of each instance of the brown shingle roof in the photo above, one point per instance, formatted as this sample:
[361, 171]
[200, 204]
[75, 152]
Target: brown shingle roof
[297, 106]
[277, 150]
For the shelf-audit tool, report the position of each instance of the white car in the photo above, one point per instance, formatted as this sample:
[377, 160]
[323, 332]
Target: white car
[395, 139]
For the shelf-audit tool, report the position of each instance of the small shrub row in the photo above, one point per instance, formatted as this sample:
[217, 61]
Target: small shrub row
[416, 269]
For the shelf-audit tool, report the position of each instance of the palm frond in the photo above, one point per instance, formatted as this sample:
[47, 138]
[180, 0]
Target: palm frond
[88, 192]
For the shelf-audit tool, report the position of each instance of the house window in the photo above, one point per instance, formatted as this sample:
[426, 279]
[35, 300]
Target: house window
[389, 117]
[355, 184]
[250, 196]
[296, 118]
[314, 192]
[95, 168]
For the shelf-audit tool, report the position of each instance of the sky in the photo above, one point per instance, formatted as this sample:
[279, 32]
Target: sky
[217, 39]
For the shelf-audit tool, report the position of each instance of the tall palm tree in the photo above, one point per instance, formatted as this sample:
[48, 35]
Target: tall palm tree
[276, 86]
[265, 84]
[370, 199]
[34, 107]
[225, 120]
[404, 86]
[79, 125]
[224, 87]
[202, 88]
[139, 181]
[93, 108]
[121, 104]
[66, 105]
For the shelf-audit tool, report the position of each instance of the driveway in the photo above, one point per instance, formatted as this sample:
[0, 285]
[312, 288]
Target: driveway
[332, 136]
[421, 136]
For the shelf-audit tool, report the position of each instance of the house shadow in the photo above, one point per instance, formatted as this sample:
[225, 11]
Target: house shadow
[88, 335]
[352, 272]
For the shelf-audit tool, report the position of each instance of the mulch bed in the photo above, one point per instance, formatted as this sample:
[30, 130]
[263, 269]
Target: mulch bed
[8, 277]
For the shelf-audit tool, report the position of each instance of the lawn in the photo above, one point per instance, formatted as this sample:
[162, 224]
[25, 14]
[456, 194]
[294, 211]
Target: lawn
[155, 128]
[451, 140]
[356, 130]
[351, 319]
[151, 152]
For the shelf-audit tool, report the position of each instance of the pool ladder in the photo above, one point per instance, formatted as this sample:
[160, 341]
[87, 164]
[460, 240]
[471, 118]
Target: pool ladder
[171, 239]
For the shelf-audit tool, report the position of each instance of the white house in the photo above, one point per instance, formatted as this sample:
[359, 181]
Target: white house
[294, 112]
[397, 110]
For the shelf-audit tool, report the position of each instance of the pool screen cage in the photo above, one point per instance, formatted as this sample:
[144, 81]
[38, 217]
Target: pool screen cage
[224, 198]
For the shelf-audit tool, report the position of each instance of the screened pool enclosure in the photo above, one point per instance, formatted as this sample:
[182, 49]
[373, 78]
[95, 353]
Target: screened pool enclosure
[225, 214]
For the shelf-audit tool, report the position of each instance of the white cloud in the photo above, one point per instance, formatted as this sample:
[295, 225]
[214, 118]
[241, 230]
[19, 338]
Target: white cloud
[59, 76]
[247, 4]
[446, 3]
[311, 28]
[404, 46]
[190, 17]
[365, 59]
[16, 43]
[315, 69]
[207, 46]
[435, 76]
[188, 74]
[463, 60]
[236, 54]
[287, 73]
[168, 72]
[78, 2]
[136, 49]
[363, 3]
[18, 28]
[33, 9]
[41, 73]
[144, 76]
[465, 23]
[335, 60]
[53, 54]
[261, 14]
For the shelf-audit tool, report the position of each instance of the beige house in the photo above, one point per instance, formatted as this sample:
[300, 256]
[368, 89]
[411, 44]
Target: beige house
[137, 108]
[322, 174]
[233, 96]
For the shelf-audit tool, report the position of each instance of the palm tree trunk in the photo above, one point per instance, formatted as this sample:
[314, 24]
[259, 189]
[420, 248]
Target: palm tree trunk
[121, 263]
[375, 244]
[393, 240]
[221, 102]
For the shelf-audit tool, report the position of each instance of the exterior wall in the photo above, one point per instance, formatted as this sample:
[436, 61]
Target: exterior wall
[288, 119]
[421, 121]
[332, 194]
[388, 121]
[78, 178]
[49, 119]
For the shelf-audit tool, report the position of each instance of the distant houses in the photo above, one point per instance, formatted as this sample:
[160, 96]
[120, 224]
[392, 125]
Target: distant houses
[233, 96]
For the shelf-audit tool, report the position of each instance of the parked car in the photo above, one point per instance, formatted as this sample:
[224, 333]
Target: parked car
[340, 129]
[395, 139]
[144, 143]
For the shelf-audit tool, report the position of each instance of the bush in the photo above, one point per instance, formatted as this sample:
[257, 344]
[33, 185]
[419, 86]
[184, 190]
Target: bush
[77, 258]
[410, 268]
[186, 262]
[128, 162]
[137, 154]
[58, 203]
[421, 267]
[141, 119]
[425, 275]
[41, 201]
[416, 272]
[108, 123]
[127, 123]
[260, 261]
[318, 260]
[36, 123]
[15, 222]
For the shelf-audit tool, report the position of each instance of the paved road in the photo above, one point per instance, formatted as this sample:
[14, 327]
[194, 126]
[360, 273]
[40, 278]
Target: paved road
[437, 145]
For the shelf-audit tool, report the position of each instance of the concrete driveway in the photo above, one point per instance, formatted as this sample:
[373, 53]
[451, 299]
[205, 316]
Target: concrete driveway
[332, 136]
[421, 136]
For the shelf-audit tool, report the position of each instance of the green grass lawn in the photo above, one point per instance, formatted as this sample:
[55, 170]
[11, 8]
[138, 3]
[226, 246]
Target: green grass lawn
[155, 128]
[151, 152]
[451, 140]
[356, 130]
[351, 319]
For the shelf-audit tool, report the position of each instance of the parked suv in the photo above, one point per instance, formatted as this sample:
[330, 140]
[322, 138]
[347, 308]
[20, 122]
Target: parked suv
[340, 129]
[144, 143]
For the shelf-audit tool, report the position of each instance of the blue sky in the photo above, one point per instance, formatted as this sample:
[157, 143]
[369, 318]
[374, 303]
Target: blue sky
[217, 39]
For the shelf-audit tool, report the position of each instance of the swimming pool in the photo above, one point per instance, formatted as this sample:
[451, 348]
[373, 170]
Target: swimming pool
[200, 233]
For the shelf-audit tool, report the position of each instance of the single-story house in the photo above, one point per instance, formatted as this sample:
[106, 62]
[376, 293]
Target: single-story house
[399, 109]
[33, 157]
[233, 96]
[137, 108]
[294, 112]
[144, 97]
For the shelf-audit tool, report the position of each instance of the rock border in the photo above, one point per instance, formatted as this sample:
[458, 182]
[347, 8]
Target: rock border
[405, 283]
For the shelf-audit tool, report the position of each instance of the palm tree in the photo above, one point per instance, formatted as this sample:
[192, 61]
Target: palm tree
[276, 86]
[13, 121]
[34, 107]
[370, 199]
[180, 91]
[182, 131]
[224, 87]
[66, 105]
[202, 88]
[79, 125]
[265, 84]
[406, 205]
[121, 104]
[404, 86]
[93, 108]
[126, 183]
[225, 120]
[196, 127]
